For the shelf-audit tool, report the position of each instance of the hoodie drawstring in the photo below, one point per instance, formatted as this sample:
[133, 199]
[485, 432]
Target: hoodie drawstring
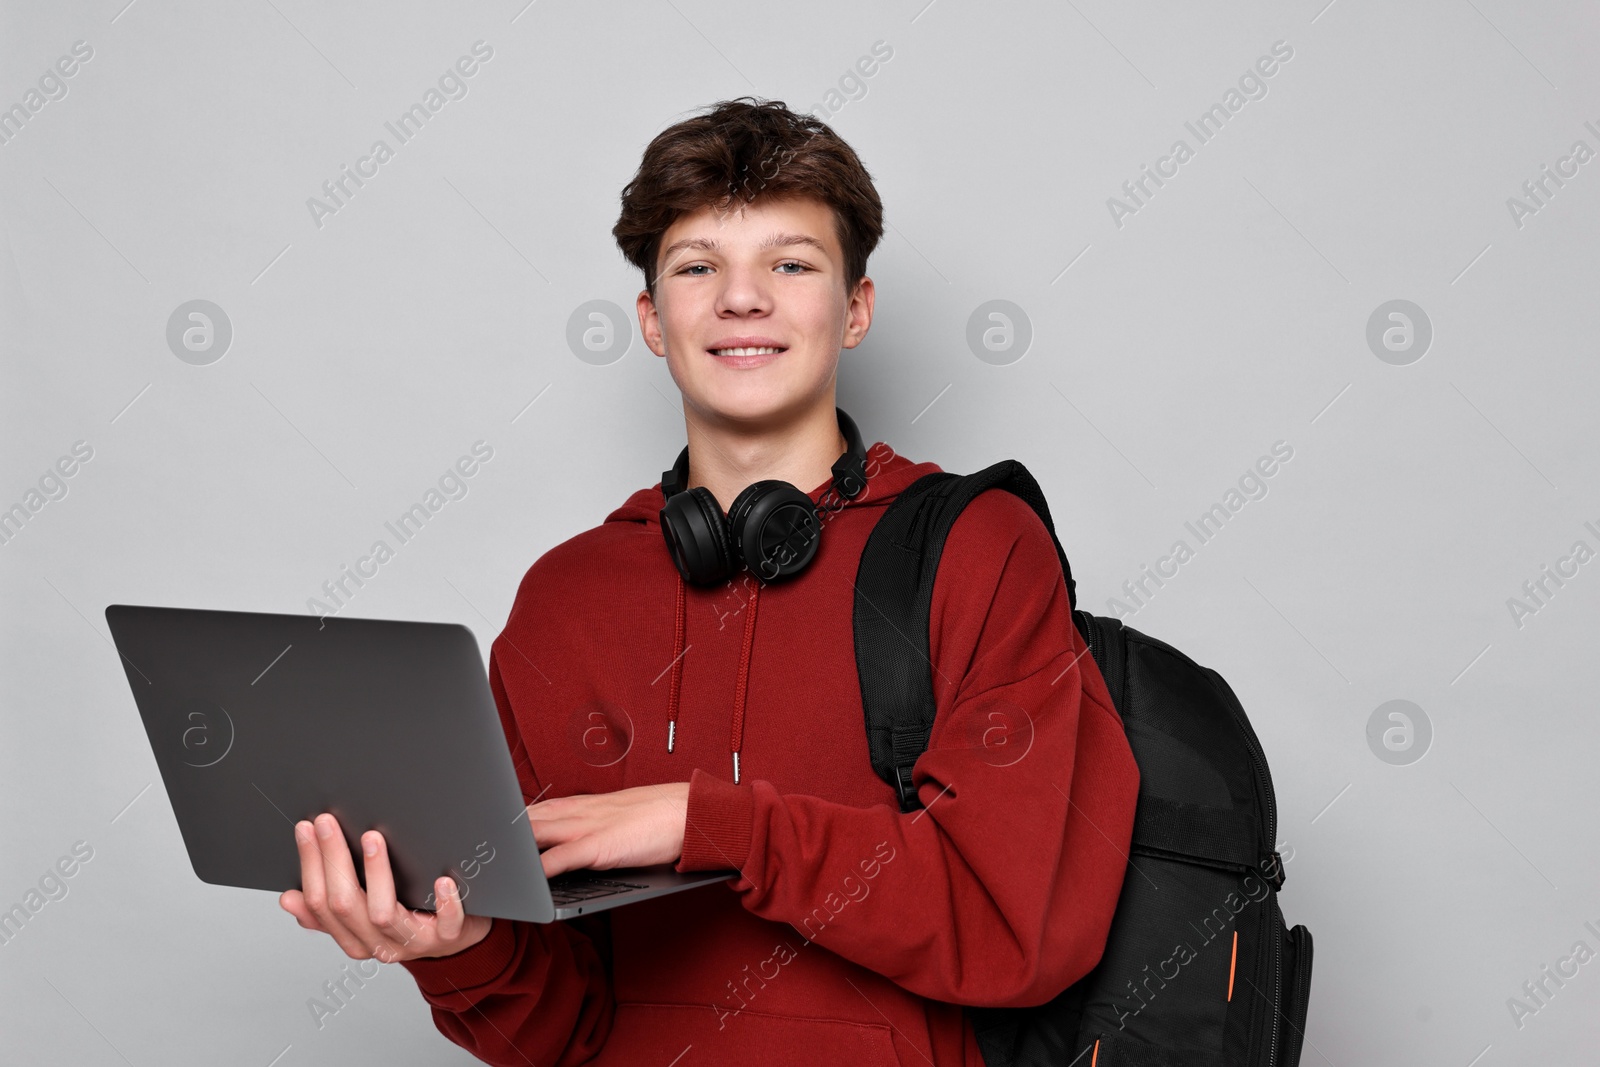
[741, 689]
[677, 672]
[737, 740]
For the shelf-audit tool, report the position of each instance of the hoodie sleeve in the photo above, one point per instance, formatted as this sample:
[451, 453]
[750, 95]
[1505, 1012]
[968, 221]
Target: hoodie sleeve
[1000, 891]
[528, 992]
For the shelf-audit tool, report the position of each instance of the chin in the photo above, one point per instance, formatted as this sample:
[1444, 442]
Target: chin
[752, 402]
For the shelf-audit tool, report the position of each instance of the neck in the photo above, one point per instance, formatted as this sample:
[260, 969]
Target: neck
[725, 457]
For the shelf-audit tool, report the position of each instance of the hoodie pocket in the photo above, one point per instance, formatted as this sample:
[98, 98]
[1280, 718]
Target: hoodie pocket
[704, 1037]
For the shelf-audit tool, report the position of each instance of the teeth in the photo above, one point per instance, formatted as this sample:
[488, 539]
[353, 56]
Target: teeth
[745, 351]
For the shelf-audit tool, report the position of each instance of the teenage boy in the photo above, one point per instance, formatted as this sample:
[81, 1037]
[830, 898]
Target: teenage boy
[655, 719]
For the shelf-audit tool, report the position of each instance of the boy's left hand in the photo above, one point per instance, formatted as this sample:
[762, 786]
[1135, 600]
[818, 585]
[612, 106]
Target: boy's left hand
[637, 827]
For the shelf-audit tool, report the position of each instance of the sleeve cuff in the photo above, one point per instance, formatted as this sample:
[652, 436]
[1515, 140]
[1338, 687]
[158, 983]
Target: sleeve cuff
[475, 965]
[717, 829]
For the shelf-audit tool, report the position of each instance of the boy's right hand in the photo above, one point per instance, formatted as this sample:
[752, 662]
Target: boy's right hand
[371, 923]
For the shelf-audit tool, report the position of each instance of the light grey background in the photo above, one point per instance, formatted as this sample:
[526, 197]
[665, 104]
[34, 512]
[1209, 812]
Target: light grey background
[1230, 312]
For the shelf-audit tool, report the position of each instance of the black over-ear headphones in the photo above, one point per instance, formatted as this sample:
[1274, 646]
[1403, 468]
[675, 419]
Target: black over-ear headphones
[772, 527]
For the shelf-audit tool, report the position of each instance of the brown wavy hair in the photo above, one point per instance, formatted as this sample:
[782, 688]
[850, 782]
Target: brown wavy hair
[737, 151]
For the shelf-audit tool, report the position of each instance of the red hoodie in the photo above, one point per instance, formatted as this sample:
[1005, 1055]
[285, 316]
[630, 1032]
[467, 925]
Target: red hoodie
[855, 930]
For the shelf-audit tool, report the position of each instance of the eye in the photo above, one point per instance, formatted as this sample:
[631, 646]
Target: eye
[694, 267]
[793, 263]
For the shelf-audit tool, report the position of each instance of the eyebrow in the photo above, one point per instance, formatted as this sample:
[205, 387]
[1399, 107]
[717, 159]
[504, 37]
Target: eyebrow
[776, 240]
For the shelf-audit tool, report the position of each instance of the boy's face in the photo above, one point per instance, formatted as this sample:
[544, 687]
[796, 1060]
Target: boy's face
[768, 274]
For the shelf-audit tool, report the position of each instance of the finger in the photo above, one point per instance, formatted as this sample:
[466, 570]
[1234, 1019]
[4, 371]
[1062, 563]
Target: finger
[305, 842]
[294, 902]
[313, 882]
[343, 910]
[381, 904]
[548, 835]
[395, 925]
[555, 827]
[576, 856]
[313, 896]
[451, 912]
[560, 807]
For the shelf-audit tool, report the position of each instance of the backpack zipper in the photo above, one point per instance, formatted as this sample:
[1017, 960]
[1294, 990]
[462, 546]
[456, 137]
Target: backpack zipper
[1300, 987]
[1275, 921]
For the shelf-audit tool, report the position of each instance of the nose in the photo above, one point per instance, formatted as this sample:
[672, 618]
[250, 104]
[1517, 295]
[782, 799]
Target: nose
[744, 292]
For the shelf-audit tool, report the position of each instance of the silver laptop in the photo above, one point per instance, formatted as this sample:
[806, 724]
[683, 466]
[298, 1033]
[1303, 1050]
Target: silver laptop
[259, 720]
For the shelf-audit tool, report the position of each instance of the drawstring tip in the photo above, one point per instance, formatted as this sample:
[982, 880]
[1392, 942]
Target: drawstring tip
[672, 733]
[736, 768]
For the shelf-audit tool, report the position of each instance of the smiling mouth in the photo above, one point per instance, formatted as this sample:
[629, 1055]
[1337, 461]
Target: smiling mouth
[765, 350]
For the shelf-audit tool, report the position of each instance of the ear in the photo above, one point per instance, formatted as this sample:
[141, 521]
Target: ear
[858, 314]
[650, 323]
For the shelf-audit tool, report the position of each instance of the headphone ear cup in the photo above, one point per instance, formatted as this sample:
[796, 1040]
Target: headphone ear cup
[774, 529]
[697, 536]
[737, 511]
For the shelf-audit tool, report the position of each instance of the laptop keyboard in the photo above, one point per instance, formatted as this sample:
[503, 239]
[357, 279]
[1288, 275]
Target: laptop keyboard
[571, 888]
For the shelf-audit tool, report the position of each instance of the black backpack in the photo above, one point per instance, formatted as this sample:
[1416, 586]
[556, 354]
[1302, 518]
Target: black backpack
[1199, 969]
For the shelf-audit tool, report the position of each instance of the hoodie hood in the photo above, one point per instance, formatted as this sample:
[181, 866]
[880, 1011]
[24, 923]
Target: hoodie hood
[888, 473]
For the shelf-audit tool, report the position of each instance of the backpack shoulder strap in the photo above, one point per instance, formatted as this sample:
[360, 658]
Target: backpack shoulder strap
[893, 601]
